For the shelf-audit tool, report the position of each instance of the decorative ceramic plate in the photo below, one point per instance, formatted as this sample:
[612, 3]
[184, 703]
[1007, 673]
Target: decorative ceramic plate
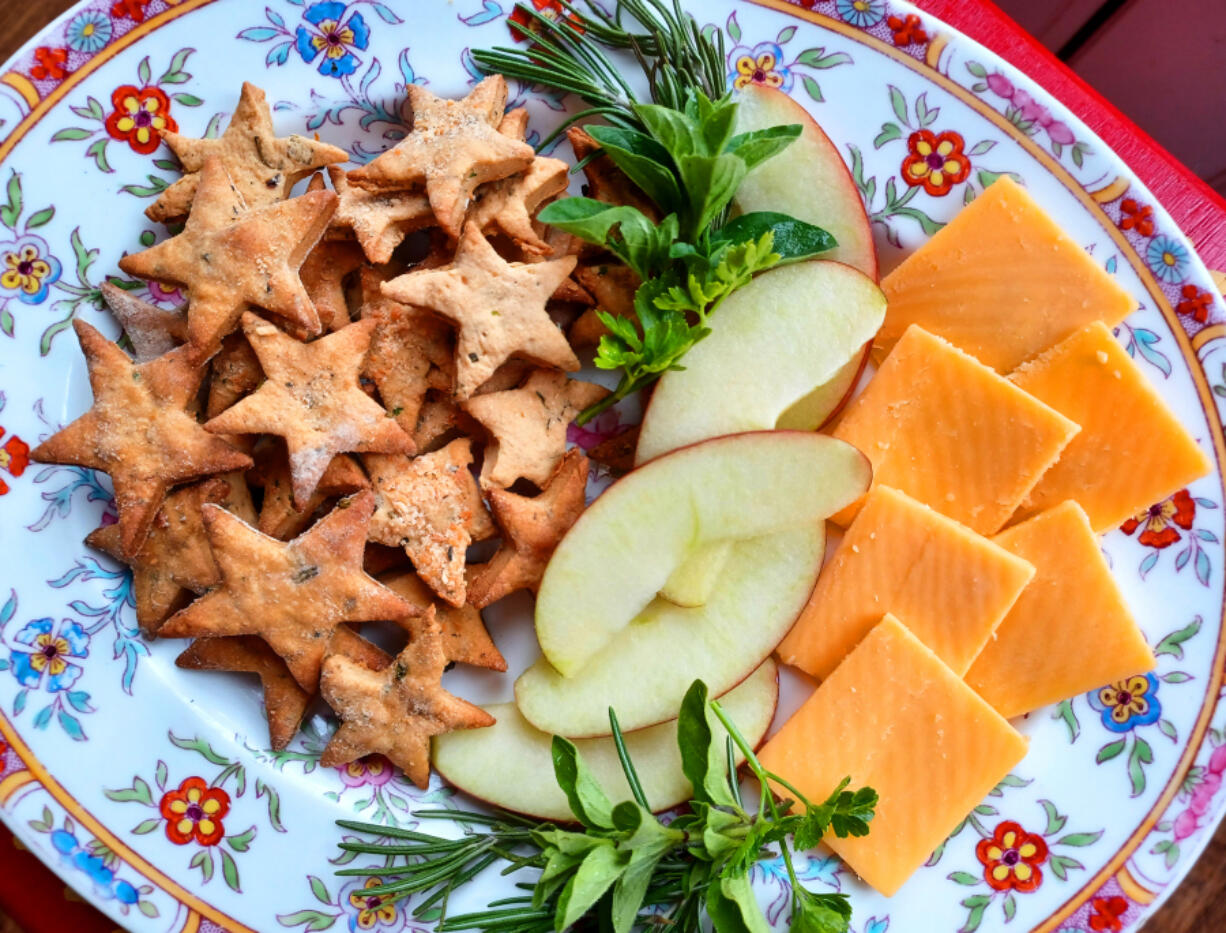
[102, 733]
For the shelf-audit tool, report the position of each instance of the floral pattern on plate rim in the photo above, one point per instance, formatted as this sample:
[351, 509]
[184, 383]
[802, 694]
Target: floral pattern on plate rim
[335, 47]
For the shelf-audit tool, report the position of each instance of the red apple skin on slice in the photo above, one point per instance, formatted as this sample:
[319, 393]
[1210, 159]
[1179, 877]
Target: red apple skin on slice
[808, 180]
[509, 764]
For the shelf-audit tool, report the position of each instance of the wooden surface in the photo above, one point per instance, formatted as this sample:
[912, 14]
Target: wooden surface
[1200, 902]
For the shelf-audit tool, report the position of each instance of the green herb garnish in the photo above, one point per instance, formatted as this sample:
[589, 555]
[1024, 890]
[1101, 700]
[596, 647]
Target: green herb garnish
[680, 150]
[623, 862]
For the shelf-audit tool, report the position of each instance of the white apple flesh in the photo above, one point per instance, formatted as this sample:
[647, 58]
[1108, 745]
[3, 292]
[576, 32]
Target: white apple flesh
[691, 584]
[645, 669]
[623, 549]
[808, 180]
[510, 765]
[773, 342]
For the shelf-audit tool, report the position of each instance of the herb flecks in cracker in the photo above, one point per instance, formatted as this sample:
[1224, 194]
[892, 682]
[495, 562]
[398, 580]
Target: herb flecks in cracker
[427, 505]
[139, 432]
[395, 711]
[312, 399]
[465, 638]
[532, 528]
[253, 259]
[302, 591]
[453, 147]
[499, 308]
[528, 425]
[264, 166]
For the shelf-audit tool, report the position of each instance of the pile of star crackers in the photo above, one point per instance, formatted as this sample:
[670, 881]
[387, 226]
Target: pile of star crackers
[365, 379]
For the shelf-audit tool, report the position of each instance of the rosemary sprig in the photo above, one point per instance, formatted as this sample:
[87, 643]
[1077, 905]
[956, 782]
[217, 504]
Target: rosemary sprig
[622, 861]
[568, 53]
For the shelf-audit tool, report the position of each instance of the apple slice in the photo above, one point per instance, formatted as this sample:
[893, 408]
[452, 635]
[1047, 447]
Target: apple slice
[772, 343]
[819, 407]
[808, 180]
[691, 584]
[622, 550]
[644, 671]
[510, 764]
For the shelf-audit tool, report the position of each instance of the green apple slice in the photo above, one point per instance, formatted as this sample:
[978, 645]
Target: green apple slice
[691, 584]
[509, 765]
[644, 671]
[624, 548]
[772, 343]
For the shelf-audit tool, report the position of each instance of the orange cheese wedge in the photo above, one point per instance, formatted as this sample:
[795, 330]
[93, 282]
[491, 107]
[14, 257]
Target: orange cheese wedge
[1001, 281]
[948, 431]
[1070, 631]
[1131, 452]
[895, 718]
[950, 586]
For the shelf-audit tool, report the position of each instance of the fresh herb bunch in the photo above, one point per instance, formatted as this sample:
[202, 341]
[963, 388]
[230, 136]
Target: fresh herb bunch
[681, 151]
[623, 861]
[568, 53]
[690, 164]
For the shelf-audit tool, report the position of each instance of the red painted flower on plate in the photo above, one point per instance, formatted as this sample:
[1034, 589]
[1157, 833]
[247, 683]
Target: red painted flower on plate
[1011, 858]
[194, 811]
[1160, 523]
[936, 161]
[140, 117]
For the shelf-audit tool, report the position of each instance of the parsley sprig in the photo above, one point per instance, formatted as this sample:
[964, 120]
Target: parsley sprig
[681, 151]
[622, 862]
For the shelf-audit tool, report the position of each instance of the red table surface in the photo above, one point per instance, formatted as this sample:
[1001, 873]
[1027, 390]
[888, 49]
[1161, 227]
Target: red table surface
[40, 902]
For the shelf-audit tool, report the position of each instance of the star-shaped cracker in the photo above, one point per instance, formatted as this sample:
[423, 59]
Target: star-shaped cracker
[285, 702]
[498, 306]
[175, 558]
[278, 517]
[396, 711]
[292, 594]
[465, 638]
[531, 528]
[264, 166]
[253, 259]
[427, 505]
[411, 351]
[139, 431]
[379, 218]
[312, 399]
[528, 425]
[509, 204]
[453, 147]
[152, 330]
[617, 452]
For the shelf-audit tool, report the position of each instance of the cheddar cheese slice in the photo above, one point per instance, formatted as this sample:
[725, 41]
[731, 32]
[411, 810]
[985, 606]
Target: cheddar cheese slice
[950, 586]
[1001, 281]
[893, 717]
[948, 431]
[1070, 631]
[1131, 452]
